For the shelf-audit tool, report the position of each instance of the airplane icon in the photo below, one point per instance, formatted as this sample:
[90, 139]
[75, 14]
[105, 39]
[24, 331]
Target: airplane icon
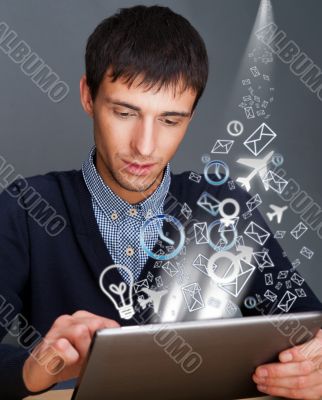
[277, 212]
[259, 167]
[154, 298]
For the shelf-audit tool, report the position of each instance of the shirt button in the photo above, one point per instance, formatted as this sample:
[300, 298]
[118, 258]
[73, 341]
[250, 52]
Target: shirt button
[129, 251]
[148, 214]
[114, 216]
[133, 212]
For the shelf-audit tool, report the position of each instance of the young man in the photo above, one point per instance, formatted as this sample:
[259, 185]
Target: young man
[146, 68]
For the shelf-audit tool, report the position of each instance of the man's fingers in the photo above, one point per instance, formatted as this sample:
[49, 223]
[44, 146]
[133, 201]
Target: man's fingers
[305, 351]
[78, 335]
[293, 382]
[67, 351]
[94, 324]
[47, 363]
[276, 370]
[313, 393]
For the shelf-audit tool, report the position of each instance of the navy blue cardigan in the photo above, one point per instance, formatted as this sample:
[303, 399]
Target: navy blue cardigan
[45, 276]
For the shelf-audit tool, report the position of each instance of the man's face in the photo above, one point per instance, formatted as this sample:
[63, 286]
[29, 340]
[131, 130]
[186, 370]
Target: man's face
[137, 131]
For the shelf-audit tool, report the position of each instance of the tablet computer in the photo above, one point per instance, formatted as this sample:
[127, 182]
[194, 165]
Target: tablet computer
[212, 359]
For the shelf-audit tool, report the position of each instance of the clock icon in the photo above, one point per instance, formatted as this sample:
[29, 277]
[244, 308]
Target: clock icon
[178, 228]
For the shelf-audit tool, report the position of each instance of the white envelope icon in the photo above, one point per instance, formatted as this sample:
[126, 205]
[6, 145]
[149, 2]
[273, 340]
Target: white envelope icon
[228, 225]
[209, 203]
[257, 233]
[254, 71]
[279, 234]
[192, 296]
[157, 264]
[249, 112]
[287, 301]
[300, 292]
[201, 232]
[170, 269]
[288, 284]
[201, 263]
[186, 210]
[299, 230]
[275, 182]
[235, 286]
[268, 279]
[194, 177]
[270, 295]
[254, 202]
[296, 263]
[222, 146]
[306, 252]
[297, 279]
[138, 286]
[263, 260]
[282, 274]
[260, 139]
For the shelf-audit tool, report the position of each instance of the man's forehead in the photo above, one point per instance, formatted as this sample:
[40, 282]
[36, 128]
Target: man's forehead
[172, 94]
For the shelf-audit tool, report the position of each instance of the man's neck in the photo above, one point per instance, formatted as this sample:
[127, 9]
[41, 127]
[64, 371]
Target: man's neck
[126, 195]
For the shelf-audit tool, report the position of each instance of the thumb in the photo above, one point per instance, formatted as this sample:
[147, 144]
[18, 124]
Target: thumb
[306, 351]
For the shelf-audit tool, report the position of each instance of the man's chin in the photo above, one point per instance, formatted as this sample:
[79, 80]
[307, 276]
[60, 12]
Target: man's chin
[136, 183]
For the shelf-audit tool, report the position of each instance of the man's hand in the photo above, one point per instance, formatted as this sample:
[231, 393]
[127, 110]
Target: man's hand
[298, 375]
[61, 354]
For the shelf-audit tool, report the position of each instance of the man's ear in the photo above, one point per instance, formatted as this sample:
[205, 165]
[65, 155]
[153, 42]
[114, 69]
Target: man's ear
[85, 96]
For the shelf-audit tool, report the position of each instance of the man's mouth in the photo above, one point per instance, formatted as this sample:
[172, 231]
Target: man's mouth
[138, 169]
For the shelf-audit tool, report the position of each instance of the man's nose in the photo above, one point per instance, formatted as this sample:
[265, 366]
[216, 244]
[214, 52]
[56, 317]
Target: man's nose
[144, 139]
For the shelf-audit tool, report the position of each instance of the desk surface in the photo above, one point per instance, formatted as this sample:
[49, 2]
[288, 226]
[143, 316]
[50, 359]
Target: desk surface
[67, 394]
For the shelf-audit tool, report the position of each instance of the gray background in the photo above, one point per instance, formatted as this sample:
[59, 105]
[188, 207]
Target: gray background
[38, 135]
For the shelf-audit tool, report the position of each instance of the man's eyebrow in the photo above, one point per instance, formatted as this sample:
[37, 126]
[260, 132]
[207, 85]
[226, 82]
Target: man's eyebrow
[135, 108]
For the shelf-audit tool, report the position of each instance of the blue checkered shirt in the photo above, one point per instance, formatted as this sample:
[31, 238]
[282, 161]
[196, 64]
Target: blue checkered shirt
[120, 222]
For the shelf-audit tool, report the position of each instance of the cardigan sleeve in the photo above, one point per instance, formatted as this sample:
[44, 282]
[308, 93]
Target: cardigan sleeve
[14, 273]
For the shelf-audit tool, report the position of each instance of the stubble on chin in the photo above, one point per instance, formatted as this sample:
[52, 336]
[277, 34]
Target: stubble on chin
[133, 183]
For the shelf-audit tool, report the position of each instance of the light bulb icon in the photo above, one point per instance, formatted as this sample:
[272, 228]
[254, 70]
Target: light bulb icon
[116, 293]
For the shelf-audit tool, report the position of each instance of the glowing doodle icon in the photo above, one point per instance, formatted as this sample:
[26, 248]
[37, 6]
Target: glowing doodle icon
[224, 244]
[227, 219]
[274, 182]
[230, 264]
[250, 302]
[235, 286]
[277, 159]
[221, 172]
[205, 158]
[260, 139]
[154, 298]
[259, 166]
[222, 146]
[160, 219]
[277, 212]
[235, 128]
[117, 293]
[230, 272]
[209, 203]
[287, 301]
[193, 297]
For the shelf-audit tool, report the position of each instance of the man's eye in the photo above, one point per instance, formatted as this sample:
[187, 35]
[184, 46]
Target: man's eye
[170, 122]
[123, 114]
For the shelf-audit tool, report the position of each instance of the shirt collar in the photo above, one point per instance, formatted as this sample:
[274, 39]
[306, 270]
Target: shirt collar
[110, 202]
